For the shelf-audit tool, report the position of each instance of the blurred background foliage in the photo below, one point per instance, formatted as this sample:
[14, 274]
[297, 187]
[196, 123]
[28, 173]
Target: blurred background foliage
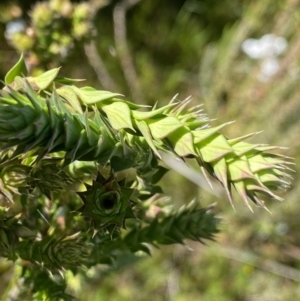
[241, 60]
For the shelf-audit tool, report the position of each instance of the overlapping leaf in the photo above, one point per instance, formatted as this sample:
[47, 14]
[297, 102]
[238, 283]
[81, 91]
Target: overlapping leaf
[31, 119]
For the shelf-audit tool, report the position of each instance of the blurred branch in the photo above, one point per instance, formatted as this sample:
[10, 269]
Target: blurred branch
[281, 86]
[284, 24]
[226, 52]
[286, 62]
[99, 67]
[268, 265]
[191, 174]
[293, 251]
[119, 17]
[291, 56]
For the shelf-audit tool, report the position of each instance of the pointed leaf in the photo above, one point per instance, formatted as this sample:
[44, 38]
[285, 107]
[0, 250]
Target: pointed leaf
[239, 169]
[43, 81]
[131, 105]
[81, 141]
[161, 128]
[146, 115]
[214, 148]
[182, 141]
[200, 135]
[221, 171]
[71, 131]
[118, 115]
[242, 191]
[91, 96]
[195, 124]
[252, 186]
[144, 129]
[19, 69]
[241, 148]
[239, 139]
[71, 97]
[273, 176]
[258, 163]
[91, 129]
[66, 80]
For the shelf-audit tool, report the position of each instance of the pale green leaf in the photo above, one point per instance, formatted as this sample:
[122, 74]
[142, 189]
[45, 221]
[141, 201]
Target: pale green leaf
[255, 186]
[239, 169]
[72, 129]
[214, 148]
[241, 148]
[258, 163]
[118, 115]
[182, 141]
[43, 81]
[272, 176]
[236, 140]
[276, 159]
[144, 129]
[242, 191]
[200, 135]
[146, 115]
[67, 81]
[161, 128]
[90, 96]
[221, 172]
[265, 148]
[71, 97]
[19, 83]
